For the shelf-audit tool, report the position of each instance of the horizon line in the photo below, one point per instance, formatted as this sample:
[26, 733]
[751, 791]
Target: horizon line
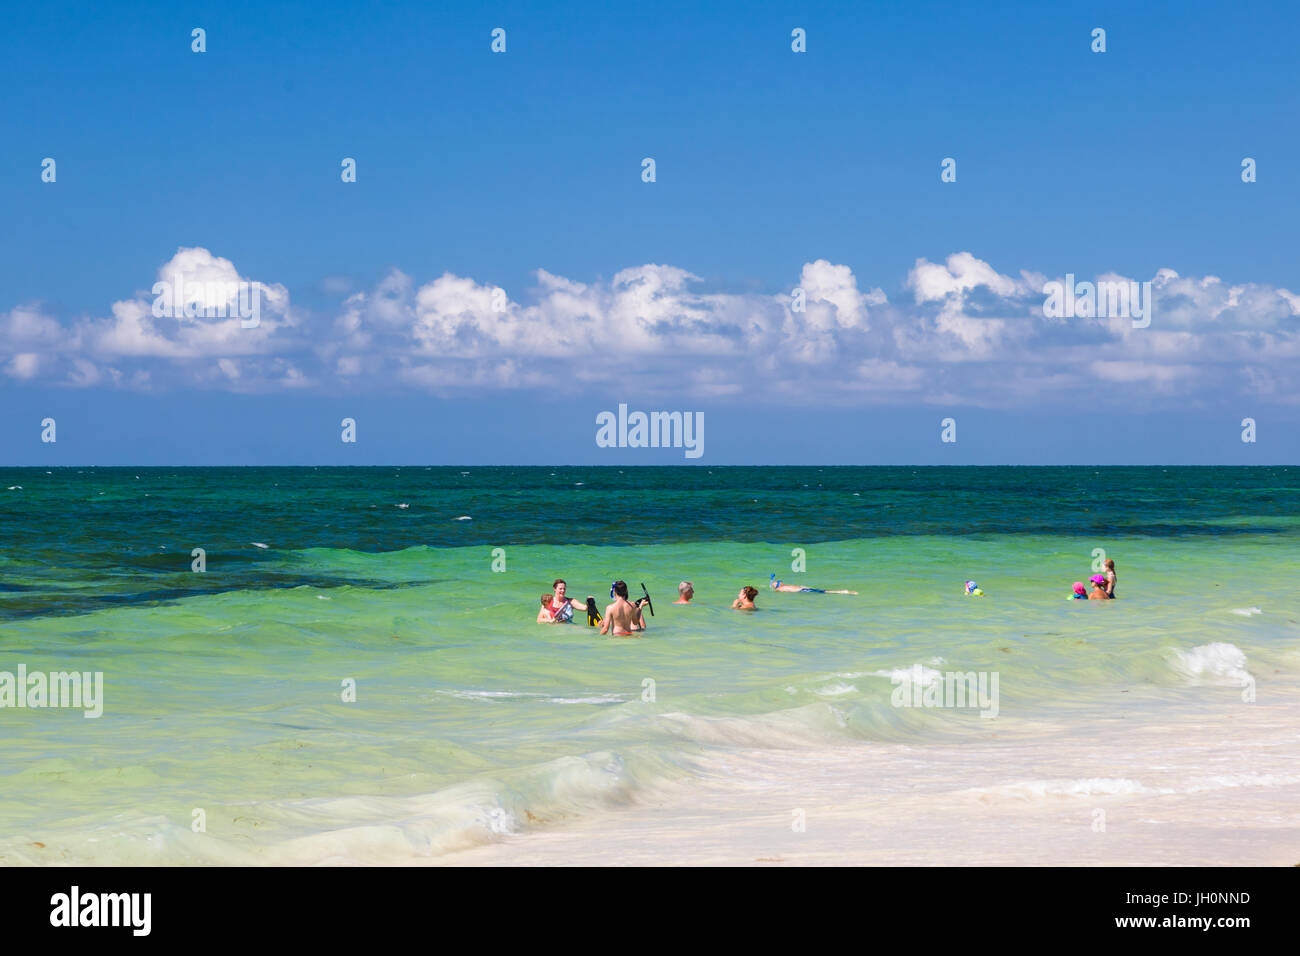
[694, 466]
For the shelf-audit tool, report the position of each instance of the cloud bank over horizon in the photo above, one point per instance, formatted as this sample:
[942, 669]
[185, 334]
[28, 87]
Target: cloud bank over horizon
[955, 332]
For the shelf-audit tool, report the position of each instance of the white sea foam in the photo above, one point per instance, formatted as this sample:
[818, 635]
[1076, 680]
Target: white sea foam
[916, 674]
[1118, 786]
[464, 518]
[1216, 663]
[1082, 787]
[1246, 611]
[1222, 781]
[598, 699]
[527, 695]
[837, 689]
[497, 820]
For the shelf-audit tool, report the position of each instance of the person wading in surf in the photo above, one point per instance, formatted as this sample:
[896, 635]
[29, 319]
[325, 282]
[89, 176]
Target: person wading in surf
[622, 617]
[561, 607]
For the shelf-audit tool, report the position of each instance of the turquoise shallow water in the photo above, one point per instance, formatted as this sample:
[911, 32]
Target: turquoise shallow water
[223, 690]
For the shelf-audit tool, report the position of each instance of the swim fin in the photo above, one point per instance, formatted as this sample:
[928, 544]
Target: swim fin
[593, 615]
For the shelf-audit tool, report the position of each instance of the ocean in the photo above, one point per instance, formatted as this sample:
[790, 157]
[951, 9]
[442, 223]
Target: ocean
[357, 676]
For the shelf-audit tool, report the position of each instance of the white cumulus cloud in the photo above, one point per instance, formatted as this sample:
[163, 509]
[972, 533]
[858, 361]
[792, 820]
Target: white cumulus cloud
[957, 331]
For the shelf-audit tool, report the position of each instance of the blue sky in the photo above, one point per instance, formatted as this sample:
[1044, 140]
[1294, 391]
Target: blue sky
[476, 170]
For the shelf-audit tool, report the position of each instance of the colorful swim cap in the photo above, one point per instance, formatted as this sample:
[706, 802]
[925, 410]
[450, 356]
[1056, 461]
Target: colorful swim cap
[971, 587]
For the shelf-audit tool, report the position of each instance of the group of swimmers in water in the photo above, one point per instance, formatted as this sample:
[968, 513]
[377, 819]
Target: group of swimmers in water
[624, 617]
[1103, 585]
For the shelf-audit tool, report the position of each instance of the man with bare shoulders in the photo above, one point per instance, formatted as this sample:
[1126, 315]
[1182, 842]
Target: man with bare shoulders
[622, 618]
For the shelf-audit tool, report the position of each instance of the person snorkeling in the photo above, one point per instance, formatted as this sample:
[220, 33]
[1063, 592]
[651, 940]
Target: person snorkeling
[776, 585]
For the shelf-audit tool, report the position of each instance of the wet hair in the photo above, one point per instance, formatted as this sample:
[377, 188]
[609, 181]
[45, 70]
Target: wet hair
[684, 587]
[750, 593]
[557, 582]
[546, 599]
[620, 588]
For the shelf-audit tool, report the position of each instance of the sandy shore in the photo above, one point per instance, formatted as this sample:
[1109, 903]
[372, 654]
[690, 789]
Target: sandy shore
[1215, 784]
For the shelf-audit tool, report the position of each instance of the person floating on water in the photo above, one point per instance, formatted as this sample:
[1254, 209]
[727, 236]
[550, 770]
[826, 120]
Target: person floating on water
[973, 589]
[1098, 588]
[745, 600]
[622, 617]
[776, 585]
[685, 591]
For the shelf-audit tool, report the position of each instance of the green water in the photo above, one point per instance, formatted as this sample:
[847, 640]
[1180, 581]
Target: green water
[223, 690]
